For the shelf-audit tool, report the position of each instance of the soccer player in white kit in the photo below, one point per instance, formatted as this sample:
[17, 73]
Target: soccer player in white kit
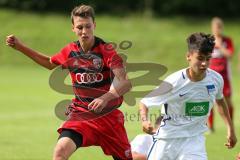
[186, 107]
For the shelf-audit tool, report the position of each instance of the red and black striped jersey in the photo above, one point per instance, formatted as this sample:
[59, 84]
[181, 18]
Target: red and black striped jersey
[91, 72]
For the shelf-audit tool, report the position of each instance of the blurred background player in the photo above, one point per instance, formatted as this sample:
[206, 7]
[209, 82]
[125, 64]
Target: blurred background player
[223, 51]
[141, 144]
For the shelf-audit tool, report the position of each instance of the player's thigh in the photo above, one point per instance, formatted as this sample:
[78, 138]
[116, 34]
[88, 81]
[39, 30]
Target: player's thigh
[64, 147]
[194, 149]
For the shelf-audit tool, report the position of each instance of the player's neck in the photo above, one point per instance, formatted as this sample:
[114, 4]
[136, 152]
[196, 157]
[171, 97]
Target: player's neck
[193, 76]
[87, 46]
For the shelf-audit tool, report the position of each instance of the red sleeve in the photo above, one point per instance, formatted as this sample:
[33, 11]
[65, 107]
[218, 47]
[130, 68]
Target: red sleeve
[112, 59]
[61, 57]
[230, 46]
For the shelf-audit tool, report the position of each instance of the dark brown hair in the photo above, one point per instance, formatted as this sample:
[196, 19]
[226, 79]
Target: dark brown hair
[201, 43]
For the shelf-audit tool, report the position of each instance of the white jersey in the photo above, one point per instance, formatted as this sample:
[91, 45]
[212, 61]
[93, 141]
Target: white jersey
[142, 143]
[186, 107]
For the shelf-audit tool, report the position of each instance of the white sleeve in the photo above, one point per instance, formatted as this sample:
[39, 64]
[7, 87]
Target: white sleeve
[159, 95]
[154, 101]
[141, 143]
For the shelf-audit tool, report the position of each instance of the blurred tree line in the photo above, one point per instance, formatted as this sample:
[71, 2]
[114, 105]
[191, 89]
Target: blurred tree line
[157, 7]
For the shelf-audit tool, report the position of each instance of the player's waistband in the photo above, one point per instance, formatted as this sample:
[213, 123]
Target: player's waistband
[80, 105]
[106, 110]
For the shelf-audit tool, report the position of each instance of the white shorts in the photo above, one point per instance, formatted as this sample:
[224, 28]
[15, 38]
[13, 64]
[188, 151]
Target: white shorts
[190, 148]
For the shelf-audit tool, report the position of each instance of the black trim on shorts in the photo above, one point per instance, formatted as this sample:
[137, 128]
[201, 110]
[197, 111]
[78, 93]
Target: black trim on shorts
[73, 135]
[115, 158]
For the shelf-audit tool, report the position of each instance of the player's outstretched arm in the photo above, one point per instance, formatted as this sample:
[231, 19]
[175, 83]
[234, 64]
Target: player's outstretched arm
[36, 56]
[122, 86]
[223, 110]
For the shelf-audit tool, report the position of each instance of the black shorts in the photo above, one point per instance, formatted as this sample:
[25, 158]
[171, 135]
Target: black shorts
[73, 135]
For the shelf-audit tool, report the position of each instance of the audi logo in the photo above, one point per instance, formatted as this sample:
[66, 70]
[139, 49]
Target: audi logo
[89, 77]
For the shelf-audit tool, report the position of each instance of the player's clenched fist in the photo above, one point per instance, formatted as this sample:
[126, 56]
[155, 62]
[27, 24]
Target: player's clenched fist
[12, 41]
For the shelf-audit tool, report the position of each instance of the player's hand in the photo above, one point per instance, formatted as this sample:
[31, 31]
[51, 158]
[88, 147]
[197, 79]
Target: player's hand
[218, 42]
[97, 105]
[231, 140]
[12, 41]
[148, 127]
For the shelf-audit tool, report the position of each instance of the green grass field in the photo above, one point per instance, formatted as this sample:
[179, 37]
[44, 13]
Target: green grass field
[27, 119]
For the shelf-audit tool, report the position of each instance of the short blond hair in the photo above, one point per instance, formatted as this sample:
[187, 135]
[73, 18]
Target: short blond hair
[84, 11]
[217, 20]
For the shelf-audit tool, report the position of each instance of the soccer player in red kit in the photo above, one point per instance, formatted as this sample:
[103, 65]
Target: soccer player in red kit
[93, 118]
[219, 62]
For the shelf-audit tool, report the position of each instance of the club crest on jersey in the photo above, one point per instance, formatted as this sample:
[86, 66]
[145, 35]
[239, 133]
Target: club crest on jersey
[89, 62]
[97, 63]
[210, 88]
